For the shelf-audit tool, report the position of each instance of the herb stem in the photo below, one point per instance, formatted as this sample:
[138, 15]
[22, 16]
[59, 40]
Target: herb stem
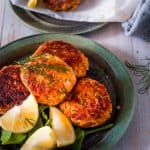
[142, 71]
[108, 126]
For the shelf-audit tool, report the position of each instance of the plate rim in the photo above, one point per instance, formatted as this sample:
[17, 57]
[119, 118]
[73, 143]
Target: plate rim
[107, 142]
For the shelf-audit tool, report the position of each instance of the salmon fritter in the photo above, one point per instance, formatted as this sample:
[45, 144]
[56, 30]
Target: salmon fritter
[48, 78]
[12, 90]
[62, 5]
[89, 104]
[71, 55]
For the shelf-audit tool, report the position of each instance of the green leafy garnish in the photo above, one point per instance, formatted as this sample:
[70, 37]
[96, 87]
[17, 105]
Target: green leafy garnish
[5, 136]
[36, 69]
[16, 139]
[44, 113]
[56, 67]
[80, 135]
[48, 122]
[11, 138]
[38, 125]
[43, 120]
[42, 109]
[27, 59]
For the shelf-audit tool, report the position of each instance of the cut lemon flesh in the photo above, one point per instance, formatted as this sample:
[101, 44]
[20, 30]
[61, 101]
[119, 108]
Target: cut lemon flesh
[22, 118]
[42, 139]
[62, 127]
[32, 3]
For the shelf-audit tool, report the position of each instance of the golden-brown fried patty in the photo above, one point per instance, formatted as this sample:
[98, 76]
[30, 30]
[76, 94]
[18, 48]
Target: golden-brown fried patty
[71, 55]
[89, 104]
[62, 5]
[48, 78]
[12, 90]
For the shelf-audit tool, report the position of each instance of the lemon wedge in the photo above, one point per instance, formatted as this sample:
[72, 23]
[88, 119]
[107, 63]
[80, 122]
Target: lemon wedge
[62, 127]
[22, 118]
[42, 139]
[32, 3]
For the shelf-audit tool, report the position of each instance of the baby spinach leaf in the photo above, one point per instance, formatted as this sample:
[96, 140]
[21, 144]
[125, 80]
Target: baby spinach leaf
[16, 138]
[11, 138]
[43, 119]
[42, 109]
[44, 113]
[5, 136]
[48, 122]
[38, 125]
[80, 135]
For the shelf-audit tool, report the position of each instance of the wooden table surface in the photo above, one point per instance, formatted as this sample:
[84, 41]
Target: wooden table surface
[112, 37]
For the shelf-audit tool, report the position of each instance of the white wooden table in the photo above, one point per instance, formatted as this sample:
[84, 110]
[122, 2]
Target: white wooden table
[112, 37]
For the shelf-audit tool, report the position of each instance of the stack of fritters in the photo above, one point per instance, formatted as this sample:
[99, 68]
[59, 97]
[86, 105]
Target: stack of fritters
[55, 75]
[62, 5]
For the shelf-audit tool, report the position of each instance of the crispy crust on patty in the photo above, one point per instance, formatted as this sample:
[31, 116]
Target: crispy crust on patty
[12, 90]
[62, 5]
[89, 104]
[48, 78]
[71, 55]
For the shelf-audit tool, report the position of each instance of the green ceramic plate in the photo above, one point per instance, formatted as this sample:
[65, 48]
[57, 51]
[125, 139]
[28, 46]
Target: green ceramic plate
[44, 23]
[111, 71]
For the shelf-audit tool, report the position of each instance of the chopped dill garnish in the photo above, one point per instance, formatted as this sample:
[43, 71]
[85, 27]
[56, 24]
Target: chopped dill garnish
[37, 70]
[56, 67]
[22, 62]
[29, 121]
[27, 59]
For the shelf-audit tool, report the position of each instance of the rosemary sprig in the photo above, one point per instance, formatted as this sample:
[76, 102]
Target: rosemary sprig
[143, 71]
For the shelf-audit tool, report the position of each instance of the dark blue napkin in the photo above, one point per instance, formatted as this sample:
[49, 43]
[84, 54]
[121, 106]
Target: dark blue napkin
[139, 24]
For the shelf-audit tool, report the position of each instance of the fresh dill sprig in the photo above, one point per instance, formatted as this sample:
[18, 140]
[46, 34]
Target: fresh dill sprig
[143, 71]
[56, 67]
[37, 70]
[27, 59]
